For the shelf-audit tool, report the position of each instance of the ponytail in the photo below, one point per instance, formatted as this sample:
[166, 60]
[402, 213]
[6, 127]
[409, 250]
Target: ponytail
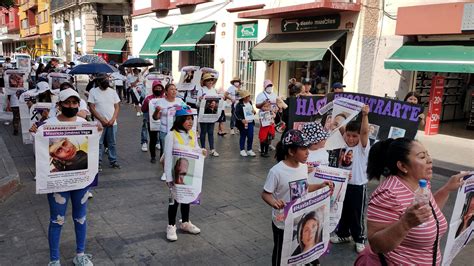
[281, 151]
[384, 156]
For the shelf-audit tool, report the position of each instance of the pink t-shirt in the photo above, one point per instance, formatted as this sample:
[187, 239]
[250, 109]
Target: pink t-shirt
[387, 204]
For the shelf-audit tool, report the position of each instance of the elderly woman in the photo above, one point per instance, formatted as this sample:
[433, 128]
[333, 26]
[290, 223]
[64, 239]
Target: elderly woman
[400, 231]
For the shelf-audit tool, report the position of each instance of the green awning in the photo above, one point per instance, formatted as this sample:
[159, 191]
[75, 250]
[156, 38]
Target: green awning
[153, 43]
[186, 37]
[109, 45]
[435, 58]
[309, 46]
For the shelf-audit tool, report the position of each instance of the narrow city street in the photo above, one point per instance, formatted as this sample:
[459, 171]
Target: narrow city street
[128, 214]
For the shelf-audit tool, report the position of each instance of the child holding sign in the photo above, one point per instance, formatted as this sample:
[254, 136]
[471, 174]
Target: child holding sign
[267, 128]
[286, 182]
[181, 135]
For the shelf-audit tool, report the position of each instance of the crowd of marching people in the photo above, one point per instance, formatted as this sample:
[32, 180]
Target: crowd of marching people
[388, 221]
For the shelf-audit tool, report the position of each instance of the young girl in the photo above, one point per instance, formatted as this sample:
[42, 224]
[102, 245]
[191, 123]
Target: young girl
[291, 154]
[316, 136]
[267, 132]
[181, 135]
[244, 113]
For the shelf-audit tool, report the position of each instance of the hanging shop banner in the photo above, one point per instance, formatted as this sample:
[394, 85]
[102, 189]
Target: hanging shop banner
[388, 118]
[306, 234]
[187, 172]
[72, 160]
[436, 105]
[461, 227]
[16, 79]
[55, 80]
[311, 23]
[210, 109]
[154, 124]
[150, 78]
[189, 78]
[338, 177]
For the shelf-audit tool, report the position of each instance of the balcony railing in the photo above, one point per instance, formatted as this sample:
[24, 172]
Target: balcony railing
[59, 5]
[30, 4]
[32, 30]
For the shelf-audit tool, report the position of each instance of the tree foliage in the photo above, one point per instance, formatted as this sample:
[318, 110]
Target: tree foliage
[7, 3]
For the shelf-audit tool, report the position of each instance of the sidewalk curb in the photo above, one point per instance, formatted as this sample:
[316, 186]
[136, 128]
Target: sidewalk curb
[449, 169]
[9, 176]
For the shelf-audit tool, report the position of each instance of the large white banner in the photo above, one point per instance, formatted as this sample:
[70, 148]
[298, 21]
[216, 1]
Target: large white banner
[306, 234]
[154, 124]
[16, 79]
[66, 156]
[339, 178]
[210, 109]
[188, 167]
[461, 227]
[189, 78]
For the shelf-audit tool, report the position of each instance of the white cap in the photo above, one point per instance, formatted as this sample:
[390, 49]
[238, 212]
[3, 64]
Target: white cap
[65, 94]
[42, 86]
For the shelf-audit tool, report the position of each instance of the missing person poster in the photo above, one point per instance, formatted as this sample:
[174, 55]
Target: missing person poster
[34, 115]
[55, 79]
[150, 78]
[249, 113]
[461, 227]
[16, 79]
[187, 172]
[154, 124]
[189, 78]
[210, 109]
[338, 178]
[306, 234]
[266, 118]
[23, 62]
[66, 156]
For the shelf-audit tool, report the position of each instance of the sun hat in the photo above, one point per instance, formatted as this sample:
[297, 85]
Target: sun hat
[294, 137]
[244, 93]
[235, 79]
[207, 76]
[184, 110]
[65, 94]
[41, 87]
[267, 83]
[314, 132]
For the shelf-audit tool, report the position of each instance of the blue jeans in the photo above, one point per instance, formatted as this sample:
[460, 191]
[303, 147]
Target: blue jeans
[246, 134]
[57, 209]
[162, 141]
[207, 128]
[109, 134]
[144, 133]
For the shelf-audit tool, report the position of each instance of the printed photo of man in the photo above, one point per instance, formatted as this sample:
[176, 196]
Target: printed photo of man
[65, 156]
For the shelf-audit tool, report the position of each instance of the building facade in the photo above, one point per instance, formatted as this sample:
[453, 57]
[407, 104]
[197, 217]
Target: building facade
[9, 30]
[35, 27]
[85, 27]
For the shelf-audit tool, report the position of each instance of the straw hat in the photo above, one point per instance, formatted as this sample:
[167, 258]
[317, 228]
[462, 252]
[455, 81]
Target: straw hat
[244, 93]
[207, 76]
[235, 79]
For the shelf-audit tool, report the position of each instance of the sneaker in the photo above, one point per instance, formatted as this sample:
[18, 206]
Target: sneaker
[232, 132]
[83, 260]
[153, 160]
[139, 114]
[163, 177]
[54, 263]
[251, 153]
[189, 227]
[359, 247]
[265, 155]
[243, 153]
[272, 147]
[115, 165]
[89, 195]
[171, 233]
[339, 240]
[145, 147]
[158, 146]
[214, 153]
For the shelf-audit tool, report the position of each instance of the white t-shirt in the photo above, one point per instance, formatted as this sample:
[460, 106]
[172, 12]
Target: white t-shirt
[165, 107]
[83, 106]
[232, 90]
[104, 101]
[248, 112]
[272, 97]
[118, 78]
[55, 120]
[318, 157]
[13, 98]
[287, 184]
[355, 159]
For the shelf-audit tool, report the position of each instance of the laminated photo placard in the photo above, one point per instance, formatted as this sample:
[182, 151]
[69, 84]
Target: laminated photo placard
[266, 118]
[154, 124]
[306, 234]
[210, 109]
[66, 156]
[16, 79]
[187, 171]
[150, 78]
[190, 77]
[55, 80]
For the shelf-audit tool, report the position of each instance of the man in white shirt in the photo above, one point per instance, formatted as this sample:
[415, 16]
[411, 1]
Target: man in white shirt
[104, 106]
[8, 63]
[233, 95]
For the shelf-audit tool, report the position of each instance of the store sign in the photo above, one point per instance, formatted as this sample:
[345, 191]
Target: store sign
[311, 23]
[247, 31]
[435, 106]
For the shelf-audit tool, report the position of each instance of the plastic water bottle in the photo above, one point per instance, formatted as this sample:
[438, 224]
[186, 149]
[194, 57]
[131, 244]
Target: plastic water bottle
[422, 194]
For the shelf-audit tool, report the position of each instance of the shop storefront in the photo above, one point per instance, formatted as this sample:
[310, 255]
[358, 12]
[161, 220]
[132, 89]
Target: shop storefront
[111, 49]
[447, 55]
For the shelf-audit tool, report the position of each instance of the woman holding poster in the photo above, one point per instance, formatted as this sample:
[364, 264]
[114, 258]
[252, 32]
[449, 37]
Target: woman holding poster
[207, 89]
[286, 182]
[399, 230]
[245, 122]
[181, 137]
[62, 151]
[152, 125]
